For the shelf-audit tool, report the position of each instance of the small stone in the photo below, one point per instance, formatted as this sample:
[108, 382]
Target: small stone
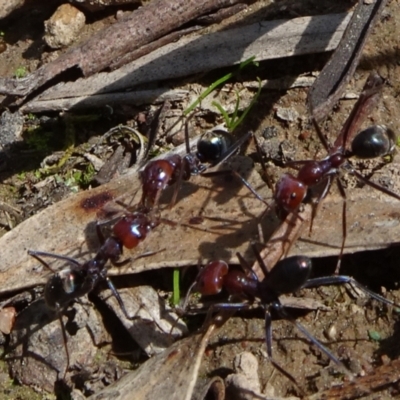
[7, 319]
[287, 114]
[63, 26]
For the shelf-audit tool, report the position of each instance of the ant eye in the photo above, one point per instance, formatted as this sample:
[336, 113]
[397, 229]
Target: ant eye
[293, 196]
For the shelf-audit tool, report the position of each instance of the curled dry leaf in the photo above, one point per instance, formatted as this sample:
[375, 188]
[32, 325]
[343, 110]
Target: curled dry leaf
[206, 388]
[179, 364]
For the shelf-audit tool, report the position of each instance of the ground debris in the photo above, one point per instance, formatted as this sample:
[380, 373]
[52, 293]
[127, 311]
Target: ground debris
[380, 377]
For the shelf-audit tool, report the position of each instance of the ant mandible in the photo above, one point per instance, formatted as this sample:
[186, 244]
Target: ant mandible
[287, 276]
[375, 141]
[78, 279]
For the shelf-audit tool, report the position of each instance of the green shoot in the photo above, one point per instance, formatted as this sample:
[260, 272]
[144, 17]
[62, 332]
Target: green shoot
[176, 294]
[217, 83]
[234, 121]
[21, 72]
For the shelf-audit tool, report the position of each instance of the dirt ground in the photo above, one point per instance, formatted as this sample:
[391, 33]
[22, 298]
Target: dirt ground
[362, 332]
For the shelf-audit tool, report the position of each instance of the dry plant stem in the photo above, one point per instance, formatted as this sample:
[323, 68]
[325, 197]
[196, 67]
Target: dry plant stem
[336, 74]
[282, 239]
[143, 26]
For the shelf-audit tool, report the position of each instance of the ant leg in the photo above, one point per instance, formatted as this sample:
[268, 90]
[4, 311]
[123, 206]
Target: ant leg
[268, 342]
[246, 267]
[374, 185]
[315, 208]
[178, 184]
[243, 180]
[218, 307]
[268, 333]
[39, 254]
[121, 263]
[283, 314]
[266, 176]
[344, 224]
[252, 190]
[64, 334]
[118, 297]
[100, 235]
[260, 261]
[342, 279]
[232, 149]
[183, 308]
[132, 259]
[321, 136]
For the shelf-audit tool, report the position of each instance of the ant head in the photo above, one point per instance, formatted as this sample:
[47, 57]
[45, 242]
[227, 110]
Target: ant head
[211, 278]
[289, 193]
[157, 176]
[131, 229]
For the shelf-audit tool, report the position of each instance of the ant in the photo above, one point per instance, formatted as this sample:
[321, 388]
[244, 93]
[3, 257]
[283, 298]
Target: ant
[213, 148]
[287, 276]
[77, 280]
[375, 141]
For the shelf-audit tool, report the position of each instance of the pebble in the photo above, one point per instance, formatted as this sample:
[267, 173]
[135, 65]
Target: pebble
[287, 114]
[64, 26]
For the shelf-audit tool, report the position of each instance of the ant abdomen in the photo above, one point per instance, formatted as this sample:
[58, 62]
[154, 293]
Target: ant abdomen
[288, 275]
[65, 286]
[212, 145]
[374, 141]
[131, 229]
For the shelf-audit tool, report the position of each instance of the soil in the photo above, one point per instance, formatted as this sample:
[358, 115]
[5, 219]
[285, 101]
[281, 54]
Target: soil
[362, 332]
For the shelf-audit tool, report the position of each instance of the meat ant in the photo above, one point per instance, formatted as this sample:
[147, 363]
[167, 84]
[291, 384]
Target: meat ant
[77, 280]
[375, 141]
[287, 276]
[213, 148]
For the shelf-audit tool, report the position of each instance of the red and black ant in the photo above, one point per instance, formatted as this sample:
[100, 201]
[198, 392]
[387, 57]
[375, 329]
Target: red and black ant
[245, 289]
[375, 141]
[79, 279]
[213, 148]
